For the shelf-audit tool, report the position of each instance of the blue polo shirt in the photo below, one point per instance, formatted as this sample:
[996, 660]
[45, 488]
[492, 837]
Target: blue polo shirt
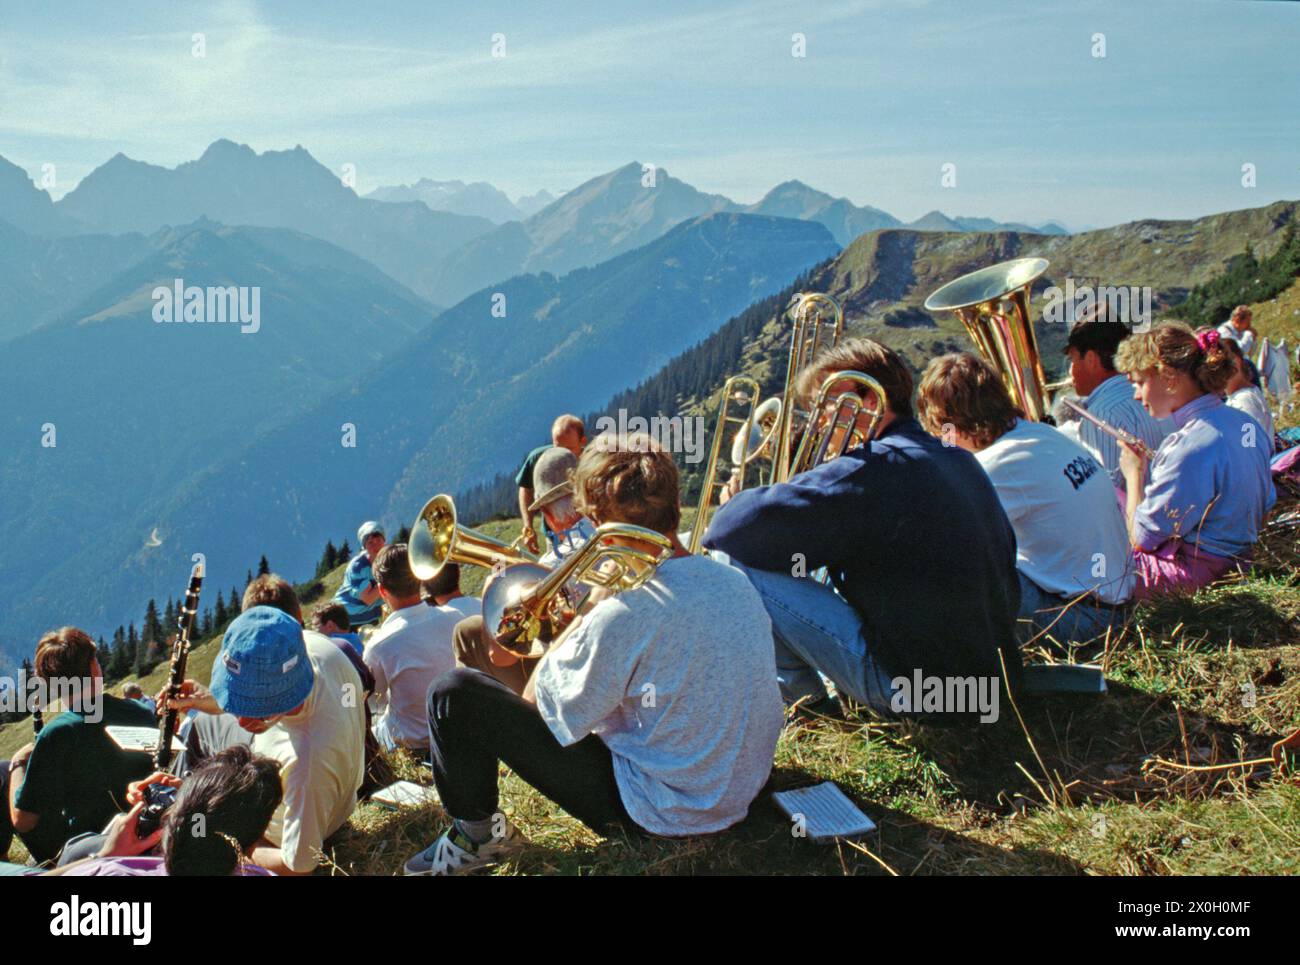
[914, 538]
[1209, 486]
[356, 579]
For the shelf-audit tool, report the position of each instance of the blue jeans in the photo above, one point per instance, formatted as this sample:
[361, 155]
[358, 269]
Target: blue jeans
[1047, 614]
[813, 630]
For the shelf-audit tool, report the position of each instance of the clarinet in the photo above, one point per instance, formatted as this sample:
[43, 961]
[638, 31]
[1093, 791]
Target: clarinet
[176, 675]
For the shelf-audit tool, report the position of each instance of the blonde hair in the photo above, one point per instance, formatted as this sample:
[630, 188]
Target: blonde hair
[628, 479]
[1173, 347]
[566, 422]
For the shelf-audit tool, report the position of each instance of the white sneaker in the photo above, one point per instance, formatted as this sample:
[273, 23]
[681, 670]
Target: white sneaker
[455, 854]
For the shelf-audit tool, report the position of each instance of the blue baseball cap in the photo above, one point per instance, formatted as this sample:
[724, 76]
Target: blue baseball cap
[262, 669]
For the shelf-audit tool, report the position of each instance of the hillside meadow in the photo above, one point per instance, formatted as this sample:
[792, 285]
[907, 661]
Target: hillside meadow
[1149, 779]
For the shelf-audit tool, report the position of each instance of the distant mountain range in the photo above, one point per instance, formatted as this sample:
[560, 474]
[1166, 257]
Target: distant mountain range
[231, 444]
[478, 199]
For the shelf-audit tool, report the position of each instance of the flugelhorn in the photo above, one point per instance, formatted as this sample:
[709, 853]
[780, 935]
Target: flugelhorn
[993, 304]
[818, 323]
[517, 601]
[438, 539]
[739, 391]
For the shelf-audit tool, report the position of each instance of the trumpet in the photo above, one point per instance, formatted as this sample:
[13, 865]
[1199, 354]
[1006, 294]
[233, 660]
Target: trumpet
[993, 304]
[811, 333]
[743, 391]
[438, 539]
[521, 601]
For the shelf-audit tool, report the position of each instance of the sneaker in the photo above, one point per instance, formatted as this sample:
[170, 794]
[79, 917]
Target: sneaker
[455, 854]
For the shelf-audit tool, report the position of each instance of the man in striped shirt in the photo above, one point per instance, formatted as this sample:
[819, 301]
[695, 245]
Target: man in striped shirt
[1106, 393]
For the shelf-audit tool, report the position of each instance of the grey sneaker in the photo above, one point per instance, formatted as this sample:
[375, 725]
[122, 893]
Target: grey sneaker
[455, 854]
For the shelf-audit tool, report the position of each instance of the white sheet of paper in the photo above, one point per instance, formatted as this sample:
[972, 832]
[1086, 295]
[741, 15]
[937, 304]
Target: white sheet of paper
[405, 794]
[826, 813]
[138, 738]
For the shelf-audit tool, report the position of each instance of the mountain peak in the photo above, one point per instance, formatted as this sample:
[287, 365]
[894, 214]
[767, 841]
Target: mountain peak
[223, 148]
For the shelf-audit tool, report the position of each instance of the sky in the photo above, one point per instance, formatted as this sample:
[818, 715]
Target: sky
[887, 93]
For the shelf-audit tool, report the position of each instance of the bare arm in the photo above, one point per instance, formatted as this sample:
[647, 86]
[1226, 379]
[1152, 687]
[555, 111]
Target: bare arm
[530, 535]
[271, 858]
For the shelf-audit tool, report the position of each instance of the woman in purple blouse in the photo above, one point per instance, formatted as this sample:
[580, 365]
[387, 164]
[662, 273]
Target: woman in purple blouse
[1209, 488]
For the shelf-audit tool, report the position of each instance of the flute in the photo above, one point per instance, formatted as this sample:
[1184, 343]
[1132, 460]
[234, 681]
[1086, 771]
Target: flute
[1112, 431]
[162, 754]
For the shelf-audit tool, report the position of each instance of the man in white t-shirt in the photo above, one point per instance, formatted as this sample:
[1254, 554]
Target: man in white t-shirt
[407, 653]
[659, 711]
[1072, 547]
[1238, 328]
[444, 591]
[300, 697]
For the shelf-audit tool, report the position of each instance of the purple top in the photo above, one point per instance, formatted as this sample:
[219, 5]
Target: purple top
[143, 865]
[1210, 482]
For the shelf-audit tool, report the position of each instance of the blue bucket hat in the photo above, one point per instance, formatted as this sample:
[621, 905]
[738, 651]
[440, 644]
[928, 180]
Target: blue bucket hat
[263, 669]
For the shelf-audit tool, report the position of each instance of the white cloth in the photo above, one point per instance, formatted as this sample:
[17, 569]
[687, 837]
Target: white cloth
[1070, 532]
[678, 678]
[1275, 370]
[1251, 401]
[321, 753]
[465, 606]
[406, 654]
[1245, 339]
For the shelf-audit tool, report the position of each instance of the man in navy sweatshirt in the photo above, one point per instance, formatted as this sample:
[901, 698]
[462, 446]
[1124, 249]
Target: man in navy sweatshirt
[919, 551]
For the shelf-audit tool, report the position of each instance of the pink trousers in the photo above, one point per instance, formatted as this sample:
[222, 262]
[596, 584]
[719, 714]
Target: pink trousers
[1175, 565]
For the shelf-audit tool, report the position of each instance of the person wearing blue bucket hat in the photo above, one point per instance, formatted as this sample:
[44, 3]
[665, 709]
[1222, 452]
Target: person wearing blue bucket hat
[301, 699]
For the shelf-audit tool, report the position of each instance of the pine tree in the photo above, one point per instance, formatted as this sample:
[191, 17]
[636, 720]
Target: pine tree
[119, 665]
[263, 567]
[205, 625]
[152, 634]
[171, 621]
[134, 650]
[234, 606]
[345, 553]
[219, 615]
[248, 581]
[404, 534]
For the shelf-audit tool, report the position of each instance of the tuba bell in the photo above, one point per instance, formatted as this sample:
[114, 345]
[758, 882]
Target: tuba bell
[437, 539]
[993, 304]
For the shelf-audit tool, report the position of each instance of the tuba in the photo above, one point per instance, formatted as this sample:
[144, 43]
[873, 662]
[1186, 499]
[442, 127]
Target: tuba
[437, 539]
[522, 601]
[743, 392]
[993, 304]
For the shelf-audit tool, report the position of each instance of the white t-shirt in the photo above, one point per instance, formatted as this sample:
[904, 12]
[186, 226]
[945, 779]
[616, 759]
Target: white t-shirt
[1251, 401]
[1070, 531]
[465, 606]
[678, 678]
[406, 654]
[321, 752]
[1245, 339]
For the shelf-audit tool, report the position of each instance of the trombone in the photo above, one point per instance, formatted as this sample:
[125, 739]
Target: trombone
[521, 601]
[993, 304]
[743, 392]
[818, 323]
[830, 438]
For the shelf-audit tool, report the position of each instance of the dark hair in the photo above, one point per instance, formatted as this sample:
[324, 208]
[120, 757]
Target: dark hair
[1174, 347]
[233, 793]
[335, 613]
[1098, 334]
[863, 355]
[65, 653]
[447, 581]
[964, 391]
[273, 590]
[392, 569]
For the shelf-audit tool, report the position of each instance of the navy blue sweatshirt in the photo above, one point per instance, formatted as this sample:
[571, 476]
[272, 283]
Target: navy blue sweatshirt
[914, 538]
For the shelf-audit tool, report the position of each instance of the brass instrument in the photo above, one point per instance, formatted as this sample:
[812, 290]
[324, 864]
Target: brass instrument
[993, 304]
[809, 336]
[829, 438]
[520, 599]
[744, 391]
[437, 539]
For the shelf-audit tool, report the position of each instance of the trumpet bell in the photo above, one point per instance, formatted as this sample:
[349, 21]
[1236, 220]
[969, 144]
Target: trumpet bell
[437, 539]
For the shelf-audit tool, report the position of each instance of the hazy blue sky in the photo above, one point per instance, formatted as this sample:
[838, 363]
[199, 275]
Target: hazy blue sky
[887, 94]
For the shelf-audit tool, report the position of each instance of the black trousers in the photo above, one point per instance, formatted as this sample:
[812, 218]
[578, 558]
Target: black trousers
[476, 721]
